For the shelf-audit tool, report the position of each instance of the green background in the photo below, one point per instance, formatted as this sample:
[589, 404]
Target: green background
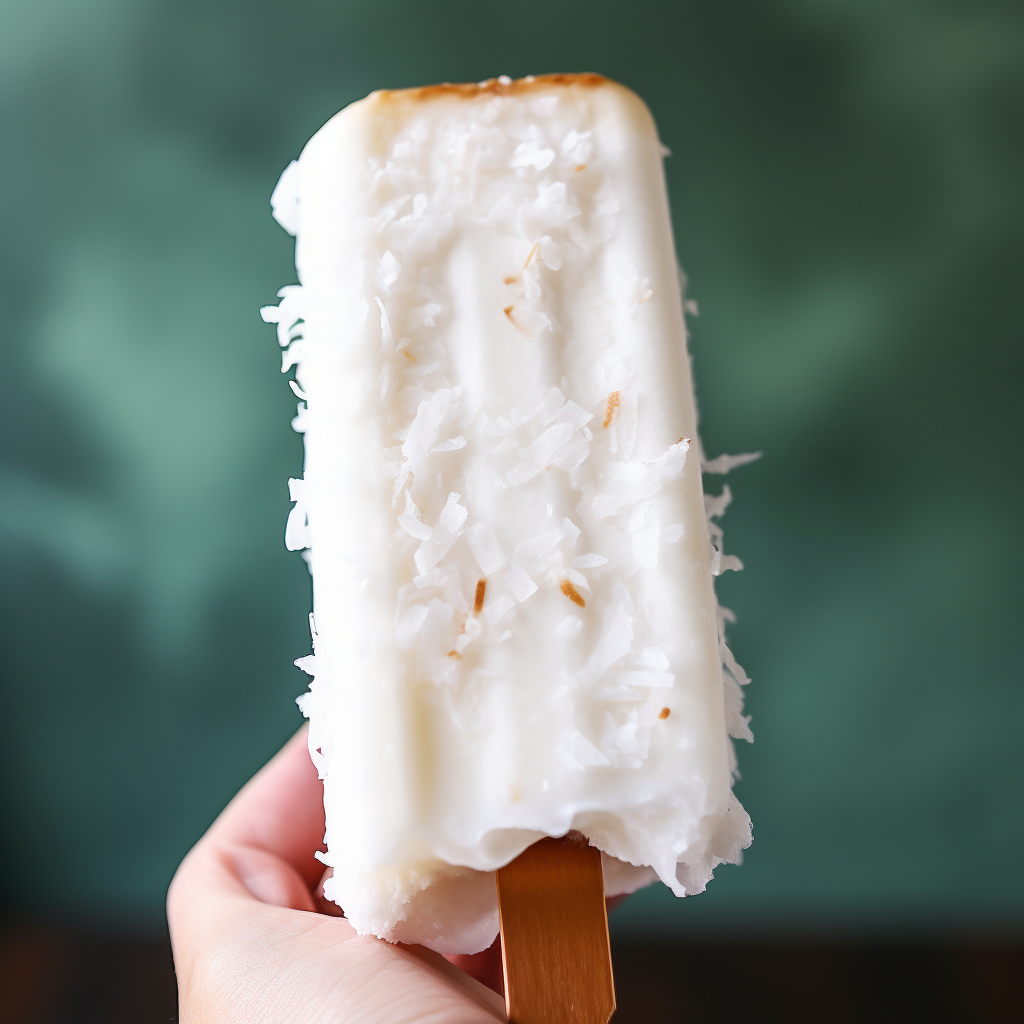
[846, 187]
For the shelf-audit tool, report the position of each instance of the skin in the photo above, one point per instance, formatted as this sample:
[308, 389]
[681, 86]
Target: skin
[254, 941]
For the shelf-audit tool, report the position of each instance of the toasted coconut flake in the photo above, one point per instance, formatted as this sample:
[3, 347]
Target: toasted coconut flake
[664, 713]
[454, 654]
[533, 252]
[511, 319]
[478, 599]
[609, 410]
[577, 579]
[572, 593]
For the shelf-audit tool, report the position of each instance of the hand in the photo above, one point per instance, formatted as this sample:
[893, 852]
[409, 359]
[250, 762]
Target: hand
[255, 942]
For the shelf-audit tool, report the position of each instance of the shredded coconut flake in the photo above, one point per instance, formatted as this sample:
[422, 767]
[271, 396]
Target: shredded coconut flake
[388, 271]
[453, 444]
[652, 657]
[529, 154]
[725, 463]
[485, 548]
[523, 472]
[410, 624]
[671, 534]
[414, 527]
[519, 583]
[661, 680]
[645, 545]
[627, 425]
[549, 406]
[538, 545]
[614, 643]
[443, 535]
[496, 609]
[578, 753]
[617, 693]
[569, 626]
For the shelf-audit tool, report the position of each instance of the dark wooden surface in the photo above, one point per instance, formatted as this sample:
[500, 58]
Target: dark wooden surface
[824, 982]
[54, 976]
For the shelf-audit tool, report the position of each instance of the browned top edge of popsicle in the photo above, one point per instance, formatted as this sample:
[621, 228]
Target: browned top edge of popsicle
[493, 87]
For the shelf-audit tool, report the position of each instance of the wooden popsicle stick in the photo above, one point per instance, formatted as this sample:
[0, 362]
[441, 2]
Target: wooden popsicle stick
[555, 952]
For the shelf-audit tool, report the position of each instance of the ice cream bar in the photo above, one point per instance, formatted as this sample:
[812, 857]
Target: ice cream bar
[515, 630]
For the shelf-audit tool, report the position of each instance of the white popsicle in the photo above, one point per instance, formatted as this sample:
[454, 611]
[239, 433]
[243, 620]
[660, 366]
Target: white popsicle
[516, 632]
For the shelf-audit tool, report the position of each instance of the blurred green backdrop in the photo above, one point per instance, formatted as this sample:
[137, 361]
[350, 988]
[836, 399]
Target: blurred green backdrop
[846, 188]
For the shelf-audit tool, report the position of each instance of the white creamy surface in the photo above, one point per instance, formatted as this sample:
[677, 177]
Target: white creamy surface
[491, 353]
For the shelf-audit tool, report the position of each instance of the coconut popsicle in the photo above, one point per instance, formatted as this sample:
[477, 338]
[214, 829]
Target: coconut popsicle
[515, 630]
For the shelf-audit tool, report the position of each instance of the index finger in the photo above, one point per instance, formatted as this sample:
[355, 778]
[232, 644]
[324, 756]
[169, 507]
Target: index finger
[280, 811]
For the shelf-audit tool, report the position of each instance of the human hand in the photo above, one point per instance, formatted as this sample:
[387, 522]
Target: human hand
[255, 942]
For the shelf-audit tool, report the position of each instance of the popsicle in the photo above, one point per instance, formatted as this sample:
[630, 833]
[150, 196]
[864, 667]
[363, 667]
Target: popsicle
[515, 630]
